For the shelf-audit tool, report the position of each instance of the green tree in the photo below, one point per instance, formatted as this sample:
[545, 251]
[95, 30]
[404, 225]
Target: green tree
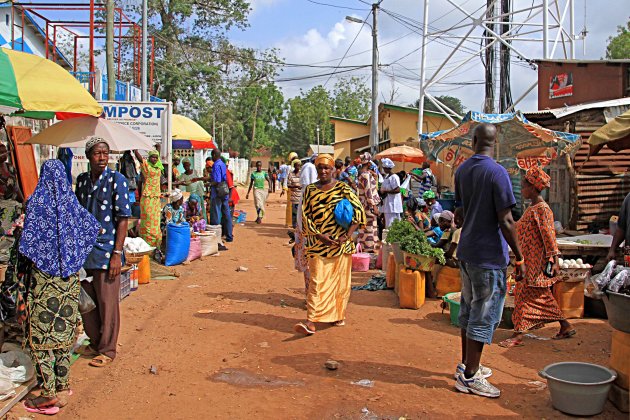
[351, 98]
[619, 45]
[450, 101]
[306, 112]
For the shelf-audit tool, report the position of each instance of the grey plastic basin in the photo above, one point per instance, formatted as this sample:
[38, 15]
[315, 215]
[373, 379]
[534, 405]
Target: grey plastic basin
[576, 388]
[618, 308]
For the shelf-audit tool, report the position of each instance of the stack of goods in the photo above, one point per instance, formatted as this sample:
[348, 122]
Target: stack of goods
[569, 291]
[613, 286]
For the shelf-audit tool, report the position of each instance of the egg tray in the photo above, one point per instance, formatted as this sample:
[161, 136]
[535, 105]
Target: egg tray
[574, 274]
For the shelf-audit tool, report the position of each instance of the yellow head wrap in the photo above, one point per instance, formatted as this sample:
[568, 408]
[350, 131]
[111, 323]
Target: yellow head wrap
[292, 156]
[325, 159]
[294, 161]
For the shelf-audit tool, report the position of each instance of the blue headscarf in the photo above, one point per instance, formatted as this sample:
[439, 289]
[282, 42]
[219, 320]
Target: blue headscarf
[58, 232]
[195, 197]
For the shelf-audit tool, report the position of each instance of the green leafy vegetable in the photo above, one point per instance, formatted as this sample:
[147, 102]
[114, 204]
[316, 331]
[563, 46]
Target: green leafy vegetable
[399, 230]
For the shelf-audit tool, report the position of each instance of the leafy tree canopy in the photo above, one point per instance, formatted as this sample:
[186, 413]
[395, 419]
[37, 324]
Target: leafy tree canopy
[619, 45]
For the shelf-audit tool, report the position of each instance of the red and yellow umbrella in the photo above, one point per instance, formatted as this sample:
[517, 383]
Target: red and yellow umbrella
[402, 154]
[34, 87]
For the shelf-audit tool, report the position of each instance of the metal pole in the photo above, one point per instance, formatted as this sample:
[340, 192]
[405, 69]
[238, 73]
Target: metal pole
[572, 27]
[109, 50]
[145, 50]
[214, 123]
[374, 125]
[545, 29]
[423, 63]
[222, 138]
[318, 139]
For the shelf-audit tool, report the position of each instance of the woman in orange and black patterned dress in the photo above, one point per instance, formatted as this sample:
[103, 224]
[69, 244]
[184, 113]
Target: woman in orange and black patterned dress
[533, 299]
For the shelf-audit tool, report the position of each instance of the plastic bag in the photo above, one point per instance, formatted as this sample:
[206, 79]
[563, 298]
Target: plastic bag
[16, 366]
[86, 304]
[620, 280]
[194, 251]
[344, 213]
[605, 276]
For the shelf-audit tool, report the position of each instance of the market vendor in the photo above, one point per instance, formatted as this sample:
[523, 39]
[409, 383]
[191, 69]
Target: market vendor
[150, 201]
[105, 194]
[190, 182]
[173, 212]
[9, 185]
[623, 230]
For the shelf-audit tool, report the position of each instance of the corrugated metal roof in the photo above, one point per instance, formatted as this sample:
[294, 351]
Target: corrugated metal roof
[568, 110]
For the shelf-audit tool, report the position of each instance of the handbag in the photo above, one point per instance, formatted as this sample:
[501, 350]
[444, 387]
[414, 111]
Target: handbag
[222, 189]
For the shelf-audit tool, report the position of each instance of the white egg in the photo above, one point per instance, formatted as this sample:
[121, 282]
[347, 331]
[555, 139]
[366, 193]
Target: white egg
[572, 261]
[560, 261]
[579, 261]
[565, 266]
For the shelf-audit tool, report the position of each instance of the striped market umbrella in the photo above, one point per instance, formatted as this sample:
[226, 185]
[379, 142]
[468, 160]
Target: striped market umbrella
[34, 87]
[187, 134]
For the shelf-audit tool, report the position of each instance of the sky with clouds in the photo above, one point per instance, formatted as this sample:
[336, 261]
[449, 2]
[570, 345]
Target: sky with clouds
[307, 33]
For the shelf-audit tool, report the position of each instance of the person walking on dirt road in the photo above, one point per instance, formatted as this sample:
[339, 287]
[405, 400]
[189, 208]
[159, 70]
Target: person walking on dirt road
[328, 246]
[485, 190]
[257, 182]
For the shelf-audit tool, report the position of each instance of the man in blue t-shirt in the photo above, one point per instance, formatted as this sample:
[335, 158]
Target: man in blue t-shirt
[485, 191]
[220, 207]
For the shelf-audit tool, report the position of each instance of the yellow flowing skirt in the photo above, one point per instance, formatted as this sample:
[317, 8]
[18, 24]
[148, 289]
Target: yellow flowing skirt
[150, 216]
[329, 288]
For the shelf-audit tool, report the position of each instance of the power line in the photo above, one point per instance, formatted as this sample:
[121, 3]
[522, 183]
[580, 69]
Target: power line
[334, 5]
[350, 46]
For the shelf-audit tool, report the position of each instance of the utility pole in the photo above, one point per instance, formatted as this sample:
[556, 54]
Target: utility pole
[423, 64]
[318, 139]
[222, 138]
[374, 125]
[145, 50]
[109, 50]
[254, 124]
[214, 123]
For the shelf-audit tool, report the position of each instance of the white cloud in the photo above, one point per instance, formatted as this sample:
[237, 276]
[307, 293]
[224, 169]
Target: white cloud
[396, 41]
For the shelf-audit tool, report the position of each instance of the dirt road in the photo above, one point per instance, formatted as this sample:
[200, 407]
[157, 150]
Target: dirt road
[241, 359]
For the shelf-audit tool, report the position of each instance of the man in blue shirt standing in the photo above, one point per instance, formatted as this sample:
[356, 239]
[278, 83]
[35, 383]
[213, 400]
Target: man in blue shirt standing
[219, 196]
[485, 191]
[105, 194]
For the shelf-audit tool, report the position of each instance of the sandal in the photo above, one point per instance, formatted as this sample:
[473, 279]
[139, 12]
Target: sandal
[62, 396]
[101, 361]
[302, 328]
[46, 405]
[87, 351]
[567, 334]
[511, 342]
[339, 323]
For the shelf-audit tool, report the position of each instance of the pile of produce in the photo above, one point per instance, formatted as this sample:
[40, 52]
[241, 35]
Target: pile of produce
[413, 241]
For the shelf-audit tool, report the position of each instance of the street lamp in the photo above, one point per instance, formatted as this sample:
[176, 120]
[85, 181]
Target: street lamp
[373, 26]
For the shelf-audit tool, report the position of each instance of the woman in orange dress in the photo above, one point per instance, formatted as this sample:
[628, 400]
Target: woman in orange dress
[533, 299]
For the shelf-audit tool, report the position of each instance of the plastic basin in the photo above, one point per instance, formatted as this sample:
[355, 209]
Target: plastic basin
[579, 389]
[453, 307]
[617, 309]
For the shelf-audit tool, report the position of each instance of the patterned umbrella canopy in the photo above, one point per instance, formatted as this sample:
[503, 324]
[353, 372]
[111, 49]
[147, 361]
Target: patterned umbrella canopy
[521, 143]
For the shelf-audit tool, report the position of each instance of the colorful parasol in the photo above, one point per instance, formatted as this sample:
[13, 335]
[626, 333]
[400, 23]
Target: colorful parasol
[75, 132]
[615, 135]
[521, 143]
[34, 87]
[187, 134]
[402, 154]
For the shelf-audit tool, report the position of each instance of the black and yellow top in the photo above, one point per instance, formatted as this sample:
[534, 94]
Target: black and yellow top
[318, 217]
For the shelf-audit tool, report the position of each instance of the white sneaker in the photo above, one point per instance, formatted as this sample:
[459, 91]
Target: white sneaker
[486, 372]
[477, 385]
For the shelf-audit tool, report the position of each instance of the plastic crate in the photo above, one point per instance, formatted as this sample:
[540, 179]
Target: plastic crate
[125, 284]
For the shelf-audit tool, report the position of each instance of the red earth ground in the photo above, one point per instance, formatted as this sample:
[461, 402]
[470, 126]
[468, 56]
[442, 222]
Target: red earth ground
[240, 359]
